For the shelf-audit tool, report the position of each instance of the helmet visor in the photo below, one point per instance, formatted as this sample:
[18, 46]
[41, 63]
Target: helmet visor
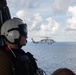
[23, 29]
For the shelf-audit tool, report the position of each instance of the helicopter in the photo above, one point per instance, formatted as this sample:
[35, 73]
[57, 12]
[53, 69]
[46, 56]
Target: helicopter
[44, 41]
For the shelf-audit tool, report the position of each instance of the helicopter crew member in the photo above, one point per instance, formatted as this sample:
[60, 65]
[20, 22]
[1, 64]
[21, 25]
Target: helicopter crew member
[13, 60]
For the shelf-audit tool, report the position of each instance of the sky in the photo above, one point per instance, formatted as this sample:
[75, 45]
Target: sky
[47, 18]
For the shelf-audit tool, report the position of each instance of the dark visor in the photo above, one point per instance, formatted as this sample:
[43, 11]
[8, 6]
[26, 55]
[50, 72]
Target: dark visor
[23, 29]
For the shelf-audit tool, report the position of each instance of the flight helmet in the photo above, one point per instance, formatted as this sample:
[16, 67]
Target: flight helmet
[12, 29]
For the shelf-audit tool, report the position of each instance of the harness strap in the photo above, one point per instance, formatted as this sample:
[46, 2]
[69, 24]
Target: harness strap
[9, 49]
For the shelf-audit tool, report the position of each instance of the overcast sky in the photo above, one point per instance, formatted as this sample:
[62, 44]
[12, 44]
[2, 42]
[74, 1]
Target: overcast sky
[47, 18]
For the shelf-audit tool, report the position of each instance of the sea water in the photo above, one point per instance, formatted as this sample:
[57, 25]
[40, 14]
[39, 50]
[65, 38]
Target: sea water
[53, 56]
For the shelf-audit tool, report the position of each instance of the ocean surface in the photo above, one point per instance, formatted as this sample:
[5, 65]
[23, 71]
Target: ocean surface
[54, 56]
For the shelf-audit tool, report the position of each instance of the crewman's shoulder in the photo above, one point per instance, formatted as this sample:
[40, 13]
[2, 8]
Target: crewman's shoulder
[3, 53]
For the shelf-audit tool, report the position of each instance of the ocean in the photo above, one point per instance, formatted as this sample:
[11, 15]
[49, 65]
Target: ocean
[54, 56]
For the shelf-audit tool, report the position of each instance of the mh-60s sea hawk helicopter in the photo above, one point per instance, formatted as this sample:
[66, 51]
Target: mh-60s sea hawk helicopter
[44, 41]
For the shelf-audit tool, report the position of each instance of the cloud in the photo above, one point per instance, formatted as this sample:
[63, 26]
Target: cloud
[23, 15]
[36, 22]
[42, 27]
[30, 3]
[18, 4]
[61, 5]
[22, 4]
[71, 22]
[51, 27]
